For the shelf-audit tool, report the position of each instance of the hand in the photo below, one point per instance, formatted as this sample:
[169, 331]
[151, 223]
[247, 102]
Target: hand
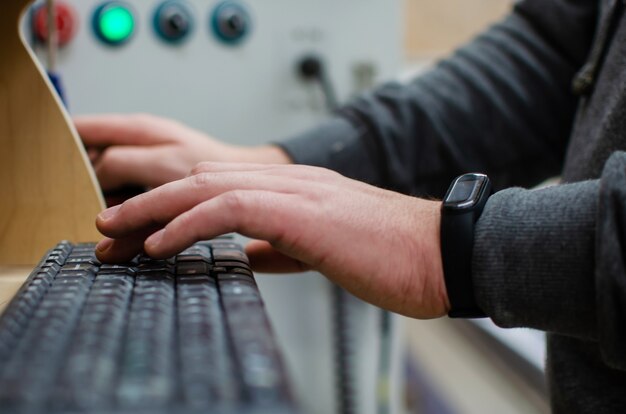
[144, 150]
[381, 246]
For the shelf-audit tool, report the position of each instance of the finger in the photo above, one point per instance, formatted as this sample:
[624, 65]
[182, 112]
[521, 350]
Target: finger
[295, 171]
[266, 259]
[215, 167]
[170, 200]
[116, 129]
[93, 154]
[256, 214]
[122, 250]
[118, 166]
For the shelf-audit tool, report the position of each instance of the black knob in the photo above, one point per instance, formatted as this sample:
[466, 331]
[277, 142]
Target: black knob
[173, 21]
[311, 67]
[231, 22]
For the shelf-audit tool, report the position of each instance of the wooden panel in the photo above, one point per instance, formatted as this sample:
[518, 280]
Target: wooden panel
[48, 191]
[436, 27]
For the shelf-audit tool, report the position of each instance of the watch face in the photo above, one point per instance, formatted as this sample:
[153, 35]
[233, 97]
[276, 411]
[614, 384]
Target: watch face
[461, 191]
[466, 191]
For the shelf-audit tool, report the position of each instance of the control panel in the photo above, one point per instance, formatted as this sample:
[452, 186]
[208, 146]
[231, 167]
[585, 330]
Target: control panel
[247, 72]
[228, 67]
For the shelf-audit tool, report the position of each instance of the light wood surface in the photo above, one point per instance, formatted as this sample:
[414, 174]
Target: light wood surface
[434, 28]
[48, 191]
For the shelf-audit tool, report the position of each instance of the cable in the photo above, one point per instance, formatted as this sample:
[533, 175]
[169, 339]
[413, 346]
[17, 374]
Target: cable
[344, 352]
[383, 393]
[311, 67]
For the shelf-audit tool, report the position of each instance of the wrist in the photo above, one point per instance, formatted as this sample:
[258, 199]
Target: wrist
[432, 298]
[461, 208]
[435, 265]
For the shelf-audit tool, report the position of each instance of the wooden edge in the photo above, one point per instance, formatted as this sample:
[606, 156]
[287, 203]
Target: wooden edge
[49, 190]
[66, 115]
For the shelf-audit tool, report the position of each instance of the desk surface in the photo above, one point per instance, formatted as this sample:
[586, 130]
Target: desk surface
[11, 278]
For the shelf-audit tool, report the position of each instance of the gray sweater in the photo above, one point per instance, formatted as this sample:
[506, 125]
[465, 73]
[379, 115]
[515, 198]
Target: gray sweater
[541, 93]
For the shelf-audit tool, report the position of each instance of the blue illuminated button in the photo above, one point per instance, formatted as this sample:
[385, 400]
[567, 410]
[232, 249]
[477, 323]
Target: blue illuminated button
[114, 22]
[173, 21]
[230, 22]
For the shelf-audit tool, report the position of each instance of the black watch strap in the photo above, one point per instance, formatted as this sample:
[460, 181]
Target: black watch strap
[461, 208]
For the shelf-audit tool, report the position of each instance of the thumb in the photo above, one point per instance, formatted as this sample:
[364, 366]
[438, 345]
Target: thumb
[265, 259]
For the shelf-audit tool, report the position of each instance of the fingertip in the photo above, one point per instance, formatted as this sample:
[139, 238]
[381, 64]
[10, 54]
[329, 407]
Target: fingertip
[257, 247]
[156, 247]
[108, 214]
[104, 245]
[153, 242]
[107, 252]
[104, 219]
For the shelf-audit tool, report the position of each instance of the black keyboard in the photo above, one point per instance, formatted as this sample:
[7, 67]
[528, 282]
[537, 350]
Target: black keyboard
[185, 335]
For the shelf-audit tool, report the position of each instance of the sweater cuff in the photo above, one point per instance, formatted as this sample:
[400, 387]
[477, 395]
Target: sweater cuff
[335, 144]
[533, 258]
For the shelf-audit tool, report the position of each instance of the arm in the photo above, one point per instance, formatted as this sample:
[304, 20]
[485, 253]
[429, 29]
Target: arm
[552, 259]
[500, 105]
[549, 259]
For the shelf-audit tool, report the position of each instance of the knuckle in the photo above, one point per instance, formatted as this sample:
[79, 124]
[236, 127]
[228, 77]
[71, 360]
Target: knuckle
[200, 168]
[319, 172]
[110, 155]
[200, 180]
[327, 172]
[108, 161]
[235, 201]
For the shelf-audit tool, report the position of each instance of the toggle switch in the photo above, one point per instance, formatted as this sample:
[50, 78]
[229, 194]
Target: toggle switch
[231, 22]
[173, 21]
[66, 22]
[114, 23]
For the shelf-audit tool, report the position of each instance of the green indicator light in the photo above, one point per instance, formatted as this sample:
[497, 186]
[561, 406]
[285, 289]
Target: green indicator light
[115, 23]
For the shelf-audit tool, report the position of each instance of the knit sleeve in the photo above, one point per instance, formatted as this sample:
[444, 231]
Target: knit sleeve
[501, 105]
[553, 259]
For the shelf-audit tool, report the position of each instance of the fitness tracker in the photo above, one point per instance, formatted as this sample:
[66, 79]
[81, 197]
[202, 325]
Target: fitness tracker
[460, 210]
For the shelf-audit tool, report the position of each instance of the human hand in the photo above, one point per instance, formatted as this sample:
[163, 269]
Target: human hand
[381, 246]
[145, 150]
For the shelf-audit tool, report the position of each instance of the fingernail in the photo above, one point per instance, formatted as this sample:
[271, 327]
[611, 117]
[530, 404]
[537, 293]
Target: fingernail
[156, 238]
[108, 213]
[104, 245]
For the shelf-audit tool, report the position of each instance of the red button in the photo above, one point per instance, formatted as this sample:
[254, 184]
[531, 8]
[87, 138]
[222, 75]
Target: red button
[66, 23]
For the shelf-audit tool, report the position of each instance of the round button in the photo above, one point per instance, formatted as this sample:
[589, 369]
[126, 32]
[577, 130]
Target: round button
[66, 22]
[114, 23]
[231, 22]
[173, 21]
